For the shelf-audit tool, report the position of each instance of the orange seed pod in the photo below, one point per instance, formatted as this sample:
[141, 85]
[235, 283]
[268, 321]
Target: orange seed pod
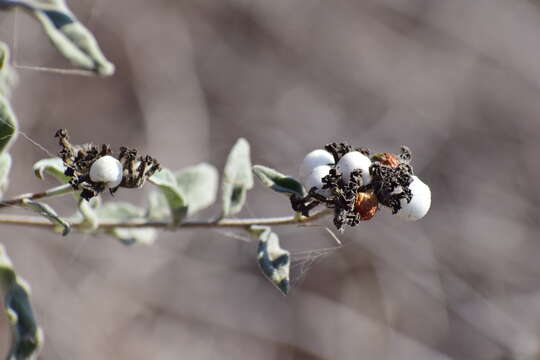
[366, 205]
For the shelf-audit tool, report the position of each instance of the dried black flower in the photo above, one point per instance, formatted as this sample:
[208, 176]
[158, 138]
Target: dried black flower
[132, 171]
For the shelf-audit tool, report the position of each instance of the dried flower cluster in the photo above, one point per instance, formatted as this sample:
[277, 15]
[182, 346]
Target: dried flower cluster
[93, 169]
[354, 184]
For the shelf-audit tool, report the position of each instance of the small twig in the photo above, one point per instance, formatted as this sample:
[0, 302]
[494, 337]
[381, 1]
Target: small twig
[34, 221]
[56, 191]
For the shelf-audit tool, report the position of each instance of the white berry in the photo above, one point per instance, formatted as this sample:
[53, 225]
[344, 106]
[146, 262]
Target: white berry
[107, 169]
[314, 179]
[354, 160]
[313, 159]
[420, 203]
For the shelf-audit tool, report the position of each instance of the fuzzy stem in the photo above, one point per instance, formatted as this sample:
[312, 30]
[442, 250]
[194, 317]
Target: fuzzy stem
[33, 221]
[23, 4]
[55, 191]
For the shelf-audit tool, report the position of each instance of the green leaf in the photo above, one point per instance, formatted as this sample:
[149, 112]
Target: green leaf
[275, 262]
[8, 124]
[86, 216]
[4, 57]
[27, 337]
[166, 181]
[5, 166]
[7, 75]
[52, 166]
[158, 208]
[87, 209]
[122, 211]
[119, 211]
[277, 181]
[237, 178]
[74, 41]
[199, 185]
[48, 212]
[130, 236]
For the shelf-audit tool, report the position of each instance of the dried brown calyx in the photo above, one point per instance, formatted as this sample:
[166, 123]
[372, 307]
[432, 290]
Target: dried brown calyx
[80, 161]
[353, 200]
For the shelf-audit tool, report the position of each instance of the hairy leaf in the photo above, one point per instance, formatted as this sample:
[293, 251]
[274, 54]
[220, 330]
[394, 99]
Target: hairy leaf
[87, 209]
[4, 57]
[158, 208]
[166, 181]
[275, 262]
[199, 185]
[27, 337]
[8, 124]
[277, 181]
[52, 166]
[74, 41]
[5, 166]
[122, 211]
[7, 74]
[237, 178]
[47, 211]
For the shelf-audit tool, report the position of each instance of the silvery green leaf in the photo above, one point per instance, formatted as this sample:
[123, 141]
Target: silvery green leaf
[8, 124]
[27, 337]
[71, 37]
[131, 236]
[122, 211]
[4, 66]
[7, 74]
[52, 166]
[5, 166]
[277, 181]
[237, 178]
[166, 181]
[199, 185]
[275, 262]
[158, 208]
[47, 211]
[4, 56]
[118, 210]
[87, 209]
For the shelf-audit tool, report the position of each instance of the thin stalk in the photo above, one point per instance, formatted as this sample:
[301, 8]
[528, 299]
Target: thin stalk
[34, 221]
[55, 191]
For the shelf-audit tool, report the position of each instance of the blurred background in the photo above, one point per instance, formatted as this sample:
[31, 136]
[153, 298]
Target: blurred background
[457, 81]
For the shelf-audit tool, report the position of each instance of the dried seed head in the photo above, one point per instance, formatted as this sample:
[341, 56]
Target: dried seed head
[107, 169]
[366, 205]
[339, 149]
[391, 185]
[356, 185]
[93, 169]
[313, 159]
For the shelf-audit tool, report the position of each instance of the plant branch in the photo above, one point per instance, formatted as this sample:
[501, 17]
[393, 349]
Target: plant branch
[34, 221]
[55, 191]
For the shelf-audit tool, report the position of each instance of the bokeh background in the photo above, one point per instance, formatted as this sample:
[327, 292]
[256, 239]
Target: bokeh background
[457, 81]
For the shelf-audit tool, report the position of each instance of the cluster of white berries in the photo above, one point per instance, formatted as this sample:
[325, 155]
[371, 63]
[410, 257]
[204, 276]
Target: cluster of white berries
[318, 163]
[107, 170]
